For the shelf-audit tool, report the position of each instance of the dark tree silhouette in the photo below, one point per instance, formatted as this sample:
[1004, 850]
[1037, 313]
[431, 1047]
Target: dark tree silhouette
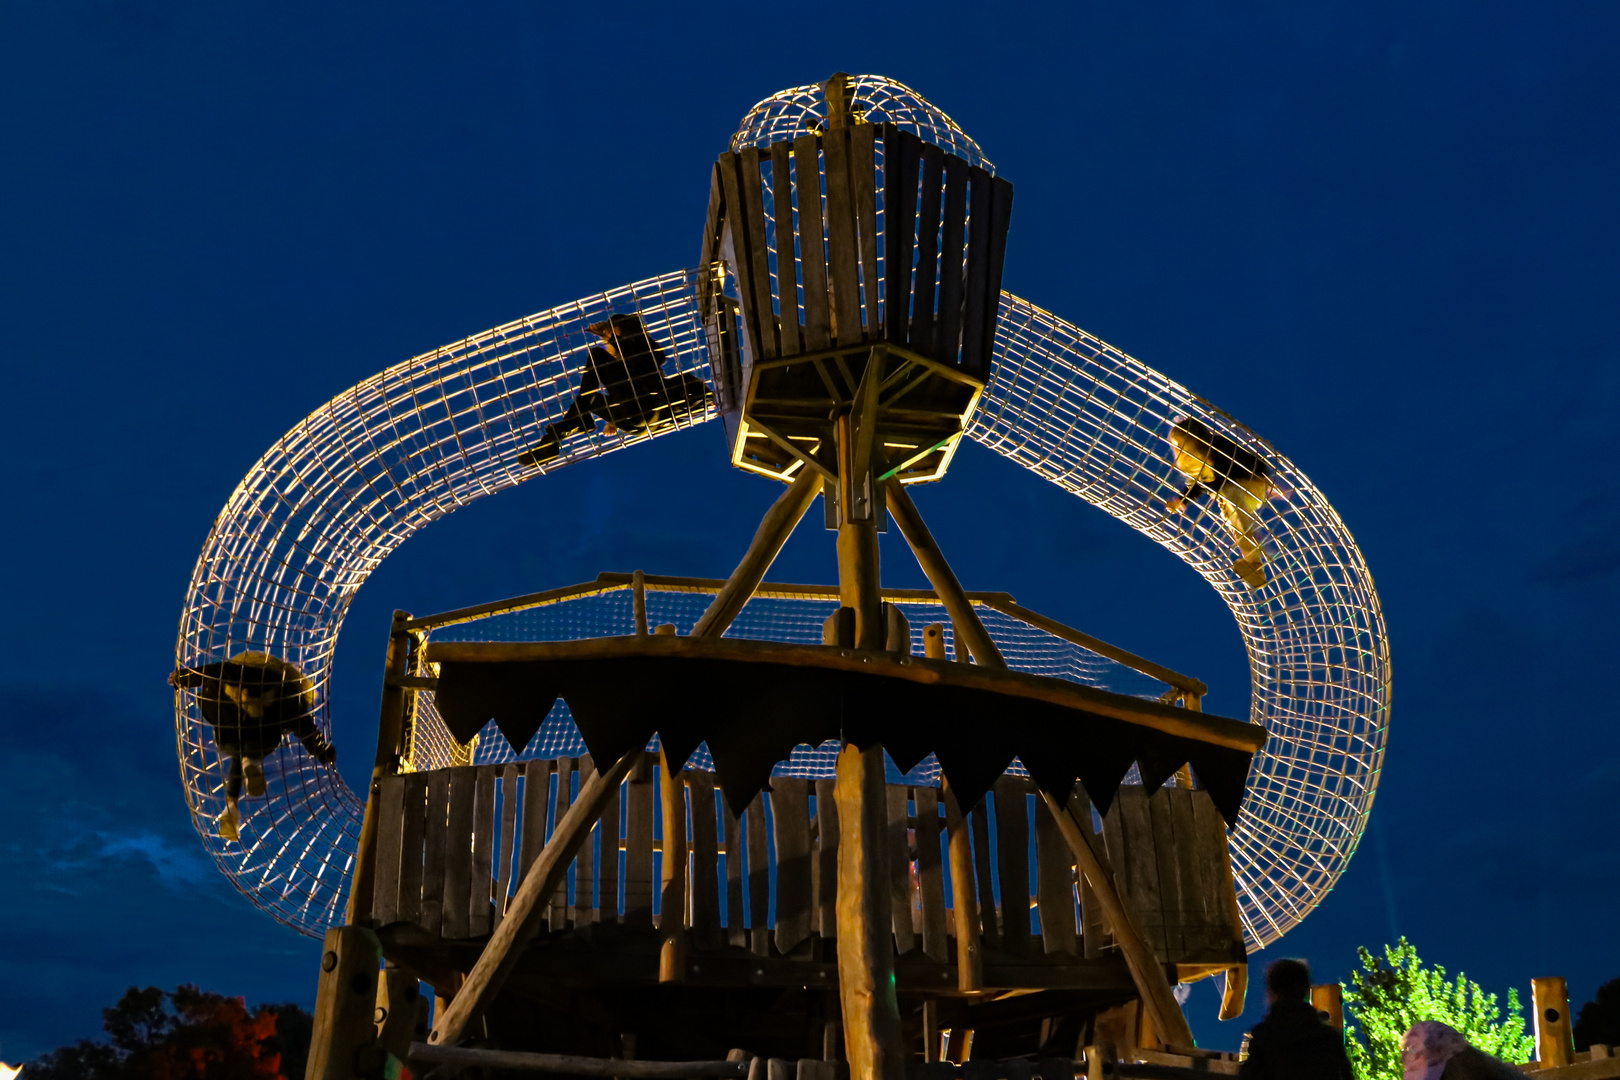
[1599, 1019]
[189, 1034]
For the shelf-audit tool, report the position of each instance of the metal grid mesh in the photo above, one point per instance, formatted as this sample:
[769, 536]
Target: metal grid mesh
[327, 503]
[1095, 422]
[803, 111]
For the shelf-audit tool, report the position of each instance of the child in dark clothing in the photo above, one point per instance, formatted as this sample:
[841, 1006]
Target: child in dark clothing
[624, 385]
[1292, 1042]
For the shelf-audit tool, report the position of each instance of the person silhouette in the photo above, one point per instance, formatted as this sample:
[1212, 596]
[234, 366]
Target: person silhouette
[624, 386]
[252, 701]
[1237, 477]
[1293, 1042]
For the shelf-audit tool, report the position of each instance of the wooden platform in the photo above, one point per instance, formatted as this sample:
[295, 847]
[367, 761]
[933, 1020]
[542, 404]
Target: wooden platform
[453, 843]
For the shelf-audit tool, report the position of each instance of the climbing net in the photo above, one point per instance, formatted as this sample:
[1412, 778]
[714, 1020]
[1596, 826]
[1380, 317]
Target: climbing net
[355, 479]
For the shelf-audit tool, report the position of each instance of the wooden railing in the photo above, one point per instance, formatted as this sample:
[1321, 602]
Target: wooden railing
[453, 844]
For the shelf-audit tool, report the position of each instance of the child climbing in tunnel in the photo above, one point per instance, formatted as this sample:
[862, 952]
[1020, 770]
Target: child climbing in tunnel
[252, 701]
[624, 385]
[1237, 478]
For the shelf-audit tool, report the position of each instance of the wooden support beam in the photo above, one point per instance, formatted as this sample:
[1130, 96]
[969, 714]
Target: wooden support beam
[964, 906]
[638, 586]
[529, 908]
[1159, 1001]
[858, 581]
[871, 1012]
[780, 521]
[1555, 1039]
[672, 906]
[969, 630]
[1328, 1000]
[572, 1065]
[345, 1004]
[390, 730]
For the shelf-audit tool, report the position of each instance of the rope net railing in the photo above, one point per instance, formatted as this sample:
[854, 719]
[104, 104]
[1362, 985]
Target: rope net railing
[774, 615]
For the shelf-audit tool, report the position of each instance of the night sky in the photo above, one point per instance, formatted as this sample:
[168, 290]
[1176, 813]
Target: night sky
[1382, 235]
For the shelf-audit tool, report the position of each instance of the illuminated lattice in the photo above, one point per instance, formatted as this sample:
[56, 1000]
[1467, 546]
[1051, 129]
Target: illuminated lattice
[877, 100]
[360, 475]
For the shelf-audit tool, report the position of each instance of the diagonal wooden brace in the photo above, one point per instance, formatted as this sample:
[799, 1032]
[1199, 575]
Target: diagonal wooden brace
[1146, 971]
[529, 907]
[780, 521]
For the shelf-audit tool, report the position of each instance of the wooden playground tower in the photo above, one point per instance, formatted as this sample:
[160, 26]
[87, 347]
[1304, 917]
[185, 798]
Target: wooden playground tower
[838, 394]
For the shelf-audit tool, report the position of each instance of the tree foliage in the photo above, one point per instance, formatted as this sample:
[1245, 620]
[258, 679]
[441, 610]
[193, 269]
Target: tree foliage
[1395, 991]
[1599, 1019]
[189, 1034]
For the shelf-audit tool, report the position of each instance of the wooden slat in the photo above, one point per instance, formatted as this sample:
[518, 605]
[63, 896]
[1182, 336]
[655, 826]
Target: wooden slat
[922, 290]
[790, 814]
[1195, 935]
[705, 862]
[863, 183]
[584, 913]
[1012, 835]
[975, 312]
[843, 258]
[458, 851]
[951, 283]
[1140, 866]
[752, 220]
[1001, 197]
[479, 898]
[759, 878]
[1054, 887]
[410, 847]
[711, 239]
[984, 867]
[438, 810]
[1209, 843]
[812, 251]
[736, 892]
[1094, 936]
[607, 862]
[558, 916]
[931, 875]
[390, 829]
[826, 857]
[638, 845]
[1165, 843]
[786, 272]
[905, 938]
[901, 153]
[736, 214]
[503, 860]
[536, 800]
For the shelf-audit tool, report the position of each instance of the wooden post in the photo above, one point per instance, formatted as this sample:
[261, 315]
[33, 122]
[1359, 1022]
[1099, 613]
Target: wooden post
[857, 518]
[871, 1012]
[638, 589]
[345, 1004]
[390, 728]
[1159, 1001]
[529, 908]
[934, 641]
[969, 630]
[930, 1026]
[965, 908]
[672, 906]
[1328, 1000]
[1555, 1038]
[780, 521]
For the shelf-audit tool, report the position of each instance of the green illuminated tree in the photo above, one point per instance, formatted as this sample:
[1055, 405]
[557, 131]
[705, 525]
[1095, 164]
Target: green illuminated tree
[1395, 991]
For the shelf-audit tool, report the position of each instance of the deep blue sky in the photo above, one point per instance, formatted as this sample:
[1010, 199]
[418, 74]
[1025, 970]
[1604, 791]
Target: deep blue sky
[1383, 235]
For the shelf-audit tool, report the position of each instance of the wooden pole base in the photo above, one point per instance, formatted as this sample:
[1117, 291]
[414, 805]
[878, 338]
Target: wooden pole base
[871, 1013]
